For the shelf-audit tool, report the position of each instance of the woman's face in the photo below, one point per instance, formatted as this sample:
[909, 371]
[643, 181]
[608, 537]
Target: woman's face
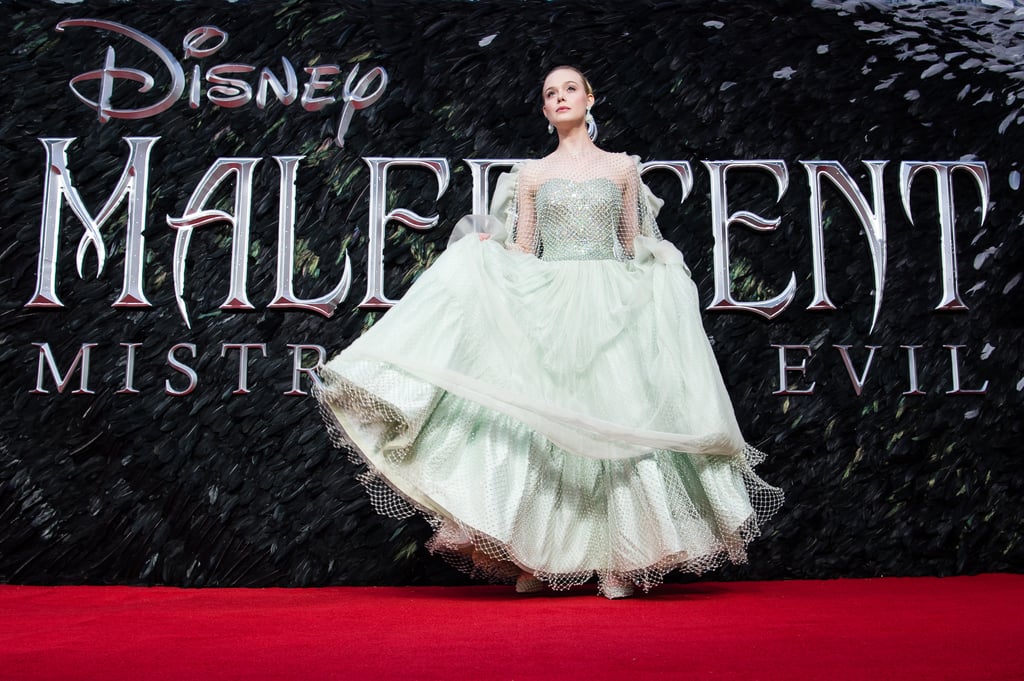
[565, 97]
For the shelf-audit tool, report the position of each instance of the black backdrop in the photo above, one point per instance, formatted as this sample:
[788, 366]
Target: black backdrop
[221, 489]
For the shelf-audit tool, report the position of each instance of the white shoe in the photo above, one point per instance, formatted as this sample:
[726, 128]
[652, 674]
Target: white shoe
[613, 587]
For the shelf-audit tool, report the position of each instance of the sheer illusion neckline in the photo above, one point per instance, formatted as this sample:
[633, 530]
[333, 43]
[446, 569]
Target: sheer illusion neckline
[570, 180]
[602, 165]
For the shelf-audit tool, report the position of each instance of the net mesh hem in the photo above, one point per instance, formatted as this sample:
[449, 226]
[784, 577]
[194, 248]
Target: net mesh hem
[486, 558]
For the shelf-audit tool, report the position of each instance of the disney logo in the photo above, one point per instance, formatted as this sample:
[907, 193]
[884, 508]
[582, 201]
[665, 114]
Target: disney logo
[227, 84]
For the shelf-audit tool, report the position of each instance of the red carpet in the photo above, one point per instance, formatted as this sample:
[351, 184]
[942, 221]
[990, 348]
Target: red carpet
[896, 628]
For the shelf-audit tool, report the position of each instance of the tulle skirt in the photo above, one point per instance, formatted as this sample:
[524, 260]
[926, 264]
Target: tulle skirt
[566, 419]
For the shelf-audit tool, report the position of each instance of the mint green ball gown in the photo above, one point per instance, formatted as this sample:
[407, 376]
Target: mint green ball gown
[547, 398]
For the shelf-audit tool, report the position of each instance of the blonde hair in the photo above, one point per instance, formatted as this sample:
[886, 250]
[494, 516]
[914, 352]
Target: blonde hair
[586, 83]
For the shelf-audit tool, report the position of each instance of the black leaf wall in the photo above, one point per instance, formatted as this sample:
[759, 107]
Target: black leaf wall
[214, 488]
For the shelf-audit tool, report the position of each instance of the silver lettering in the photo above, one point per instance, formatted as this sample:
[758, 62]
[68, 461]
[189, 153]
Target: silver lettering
[954, 359]
[873, 221]
[721, 220]
[912, 369]
[356, 97]
[309, 101]
[229, 93]
[785, 368]
[947, 215]
[480, 171]
[183, 368]
[243, 362]
[81, 359]
[59, 187]
[285, 296]
[129, 370]
[298, 368]
[195, 215]
[286, 94]
[379, 167]
[109, 73]
[681, 169]
[857, 380]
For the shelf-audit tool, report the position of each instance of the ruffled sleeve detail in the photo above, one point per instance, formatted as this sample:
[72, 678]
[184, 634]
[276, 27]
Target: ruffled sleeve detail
[503, 200]
[649, 249]
[500, 220]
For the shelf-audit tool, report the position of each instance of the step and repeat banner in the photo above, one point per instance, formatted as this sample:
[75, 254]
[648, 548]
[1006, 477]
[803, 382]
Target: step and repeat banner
[201, 201]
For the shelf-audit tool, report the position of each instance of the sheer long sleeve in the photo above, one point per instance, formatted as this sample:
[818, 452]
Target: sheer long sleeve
[521, 222]
[629, 224]
[639, 208]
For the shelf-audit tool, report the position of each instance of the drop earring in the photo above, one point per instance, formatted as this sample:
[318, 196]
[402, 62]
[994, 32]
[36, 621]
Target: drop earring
[591, 125]
[551, 129]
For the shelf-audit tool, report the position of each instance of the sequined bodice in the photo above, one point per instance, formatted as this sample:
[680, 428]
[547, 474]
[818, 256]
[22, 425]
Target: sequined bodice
[577, 219]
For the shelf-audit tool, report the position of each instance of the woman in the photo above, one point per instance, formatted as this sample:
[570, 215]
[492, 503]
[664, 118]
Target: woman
[546, 397]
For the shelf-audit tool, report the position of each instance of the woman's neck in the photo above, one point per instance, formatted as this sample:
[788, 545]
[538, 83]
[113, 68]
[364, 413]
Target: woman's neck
[575, 143]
